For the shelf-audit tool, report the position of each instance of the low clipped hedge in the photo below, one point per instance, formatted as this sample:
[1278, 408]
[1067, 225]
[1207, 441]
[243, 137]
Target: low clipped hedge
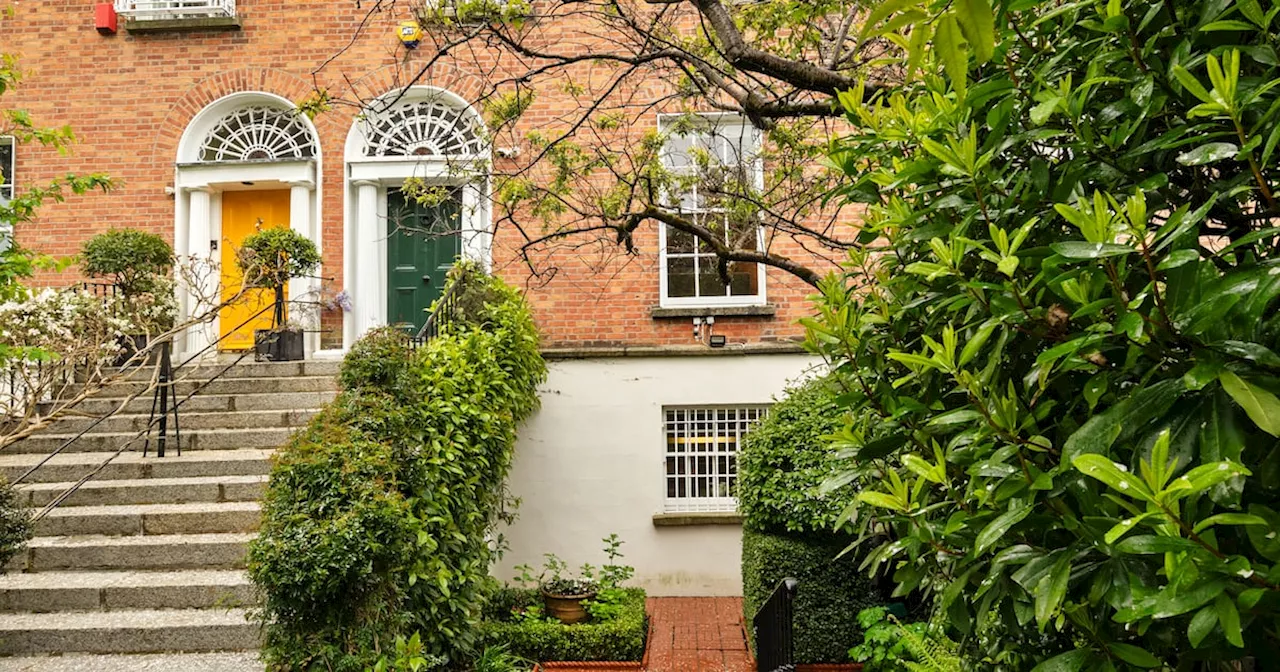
[830, 595]
[621, 639]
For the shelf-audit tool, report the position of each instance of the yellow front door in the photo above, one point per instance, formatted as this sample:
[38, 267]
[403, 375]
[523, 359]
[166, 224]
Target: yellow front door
[243, 213]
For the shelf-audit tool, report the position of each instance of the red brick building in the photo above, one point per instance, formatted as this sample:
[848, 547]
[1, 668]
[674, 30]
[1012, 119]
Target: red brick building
[190, 108]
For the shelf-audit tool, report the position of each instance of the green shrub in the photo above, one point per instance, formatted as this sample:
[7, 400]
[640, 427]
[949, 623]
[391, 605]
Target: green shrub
[378, 515]
[785, 459]
[830, 594]
[133, 260]
[1059, 329]
[376, 361]
[620, 639]
[15, 523]
[272, 257]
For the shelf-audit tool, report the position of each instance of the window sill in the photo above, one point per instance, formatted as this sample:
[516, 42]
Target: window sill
[182, 25]
[660, 313]
[695, 518]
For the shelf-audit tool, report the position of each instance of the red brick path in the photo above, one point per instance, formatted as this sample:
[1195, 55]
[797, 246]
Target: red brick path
[697, 634]
[686, 634]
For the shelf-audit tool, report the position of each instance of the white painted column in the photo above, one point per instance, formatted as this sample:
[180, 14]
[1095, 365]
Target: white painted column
[365, 270]
[203, 297]
[304, 292]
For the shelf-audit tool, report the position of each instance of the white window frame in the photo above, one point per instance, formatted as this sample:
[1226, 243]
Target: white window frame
[717, 120]
[8, 190]
[676, 431]
[158, 10]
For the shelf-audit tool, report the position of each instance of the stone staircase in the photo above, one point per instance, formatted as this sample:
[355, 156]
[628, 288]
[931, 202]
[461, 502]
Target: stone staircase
[149, 556]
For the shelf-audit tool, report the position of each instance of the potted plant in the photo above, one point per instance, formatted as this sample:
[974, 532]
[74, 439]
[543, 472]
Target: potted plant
[573, 599]
[269, 259]
[137, 264]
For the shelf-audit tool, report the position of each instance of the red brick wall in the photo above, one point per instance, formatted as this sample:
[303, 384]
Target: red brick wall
[129, 98]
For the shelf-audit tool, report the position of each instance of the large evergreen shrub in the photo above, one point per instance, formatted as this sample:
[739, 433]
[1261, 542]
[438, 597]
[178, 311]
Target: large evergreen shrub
[1060, 333]
[789, 523]
[377, 516]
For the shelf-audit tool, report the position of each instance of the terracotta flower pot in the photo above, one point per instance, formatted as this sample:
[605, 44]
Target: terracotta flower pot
[567, 609]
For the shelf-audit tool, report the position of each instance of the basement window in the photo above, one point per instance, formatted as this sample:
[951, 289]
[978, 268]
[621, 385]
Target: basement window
[701, 453]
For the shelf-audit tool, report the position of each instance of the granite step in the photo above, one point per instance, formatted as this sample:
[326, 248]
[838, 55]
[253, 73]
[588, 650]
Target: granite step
[48, 592]
[207, 402]
[131, 465]
[167, 551]
[151, 519]
[246, 661]
[185, 386]
[192, 440]
[245, 369]
[187, 420]
[131, 631]
[149, 491]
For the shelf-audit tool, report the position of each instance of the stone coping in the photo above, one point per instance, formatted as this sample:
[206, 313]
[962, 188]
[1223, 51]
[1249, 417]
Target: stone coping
[694, 518]
[733, 349]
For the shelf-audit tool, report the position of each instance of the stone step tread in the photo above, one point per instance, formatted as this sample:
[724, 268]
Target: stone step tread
[144, 509]
[151, 662]
[126, 619]
[232, 455]
[122, 579]
[73, 415]
[128, 435]
[147, 482]
[142, 540]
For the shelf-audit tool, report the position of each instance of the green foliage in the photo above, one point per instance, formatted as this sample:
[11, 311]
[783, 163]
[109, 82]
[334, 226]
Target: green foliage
[621, 638]
[784, 461]
[377, 517]
[1058, 338]
[891, 646]
[832, 590]
[272, 257]
[15, 523]
[555, 577]
[133, 260]
[376, 361]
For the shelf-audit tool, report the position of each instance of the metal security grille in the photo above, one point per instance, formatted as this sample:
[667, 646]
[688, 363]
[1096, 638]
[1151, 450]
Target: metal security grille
[702, 456]
[167, 9]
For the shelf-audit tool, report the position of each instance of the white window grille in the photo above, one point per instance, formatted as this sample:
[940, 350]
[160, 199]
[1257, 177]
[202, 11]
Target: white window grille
[259, 133]
[702, 456]
[175, 9]
[8, 150]
[424, 128]
[690, 268]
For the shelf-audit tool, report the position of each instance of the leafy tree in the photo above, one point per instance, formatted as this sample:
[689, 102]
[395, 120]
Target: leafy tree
[594, 176]
[1059, 331]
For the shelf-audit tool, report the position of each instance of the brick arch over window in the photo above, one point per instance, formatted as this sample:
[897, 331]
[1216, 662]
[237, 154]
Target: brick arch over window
[279, 83]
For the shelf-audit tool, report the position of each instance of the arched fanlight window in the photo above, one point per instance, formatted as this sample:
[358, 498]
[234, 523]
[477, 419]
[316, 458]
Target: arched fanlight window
[258, 133]
[424, 128]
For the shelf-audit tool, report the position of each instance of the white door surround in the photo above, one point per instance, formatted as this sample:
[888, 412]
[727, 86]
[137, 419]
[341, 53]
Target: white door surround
[244, 141]
[423, 133]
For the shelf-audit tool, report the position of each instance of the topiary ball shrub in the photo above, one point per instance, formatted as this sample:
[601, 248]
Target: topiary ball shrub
[785, 459]
[133, 260]
[830, 594]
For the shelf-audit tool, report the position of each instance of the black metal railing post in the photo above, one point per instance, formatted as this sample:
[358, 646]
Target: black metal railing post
[772, 627]
[163, 403]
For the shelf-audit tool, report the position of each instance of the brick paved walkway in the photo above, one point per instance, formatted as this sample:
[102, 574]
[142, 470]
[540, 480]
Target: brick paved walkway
[697, 634]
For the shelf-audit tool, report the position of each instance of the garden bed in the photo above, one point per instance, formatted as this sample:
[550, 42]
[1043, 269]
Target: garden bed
[618, 640]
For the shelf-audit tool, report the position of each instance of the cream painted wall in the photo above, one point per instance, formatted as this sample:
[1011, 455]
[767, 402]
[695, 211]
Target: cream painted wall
[590, 462]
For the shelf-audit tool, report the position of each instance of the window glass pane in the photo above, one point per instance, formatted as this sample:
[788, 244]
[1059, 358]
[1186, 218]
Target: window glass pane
[678, 154]
[744, 279]
[6, 168]
[709, 280]
[735, 144]
[681, 277]
[679, 242]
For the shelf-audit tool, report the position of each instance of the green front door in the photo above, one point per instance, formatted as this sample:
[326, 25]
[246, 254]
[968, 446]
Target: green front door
[422, 243]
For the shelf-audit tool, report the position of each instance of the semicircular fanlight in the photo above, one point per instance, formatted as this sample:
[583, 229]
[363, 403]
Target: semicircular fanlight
[426, 129]
[258, 133]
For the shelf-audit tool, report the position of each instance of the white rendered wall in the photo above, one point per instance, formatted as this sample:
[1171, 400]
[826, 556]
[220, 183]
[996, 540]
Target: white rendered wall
[590, 463]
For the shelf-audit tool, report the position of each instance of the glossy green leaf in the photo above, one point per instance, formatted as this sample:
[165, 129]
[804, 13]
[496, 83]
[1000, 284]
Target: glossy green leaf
[1071, 661]
[1230, 620]
[997, 528]
[1103, 469]
[1211, 152]
[1134, 655]
[1082, 250]
[1201, 625]
[1261, 406]
[977, 22]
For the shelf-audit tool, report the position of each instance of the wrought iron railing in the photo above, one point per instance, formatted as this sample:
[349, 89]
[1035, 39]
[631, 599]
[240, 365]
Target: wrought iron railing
[772, 629]
[443, 313]
[169, 9]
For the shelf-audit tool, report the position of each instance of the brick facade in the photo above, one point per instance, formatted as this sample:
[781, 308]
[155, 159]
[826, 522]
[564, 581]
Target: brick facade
[129, 97]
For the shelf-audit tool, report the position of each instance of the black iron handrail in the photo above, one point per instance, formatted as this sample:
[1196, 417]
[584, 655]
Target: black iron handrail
[441, 316]
[773, 630]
